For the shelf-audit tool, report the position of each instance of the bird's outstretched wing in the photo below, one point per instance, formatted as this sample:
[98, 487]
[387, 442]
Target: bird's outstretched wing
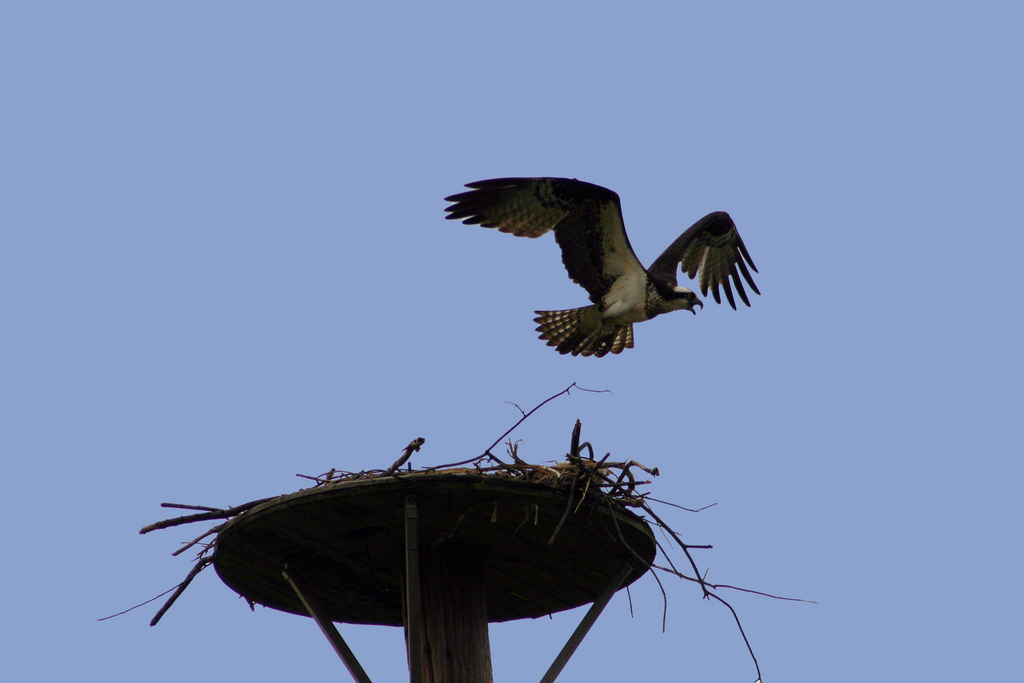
[586, 218]
[712, 250]
[525, 207]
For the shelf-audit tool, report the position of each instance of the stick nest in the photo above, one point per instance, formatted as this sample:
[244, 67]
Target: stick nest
[613, 483]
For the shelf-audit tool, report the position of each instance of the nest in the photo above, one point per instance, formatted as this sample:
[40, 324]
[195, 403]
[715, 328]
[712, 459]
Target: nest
[615, 479]
[612, 483]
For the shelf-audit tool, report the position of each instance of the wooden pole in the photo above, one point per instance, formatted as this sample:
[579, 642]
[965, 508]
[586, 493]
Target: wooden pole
[456, 646]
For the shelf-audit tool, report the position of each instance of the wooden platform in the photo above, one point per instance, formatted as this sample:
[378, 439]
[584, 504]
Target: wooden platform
[348, 541]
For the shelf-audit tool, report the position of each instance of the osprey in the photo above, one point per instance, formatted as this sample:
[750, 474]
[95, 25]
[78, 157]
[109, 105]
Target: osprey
[587, 220]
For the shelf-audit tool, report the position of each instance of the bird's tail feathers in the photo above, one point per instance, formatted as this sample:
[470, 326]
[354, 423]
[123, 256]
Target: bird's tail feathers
[579, 331]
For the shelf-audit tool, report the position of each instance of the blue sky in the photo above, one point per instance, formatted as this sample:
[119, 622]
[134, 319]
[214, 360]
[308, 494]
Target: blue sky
[224, 261]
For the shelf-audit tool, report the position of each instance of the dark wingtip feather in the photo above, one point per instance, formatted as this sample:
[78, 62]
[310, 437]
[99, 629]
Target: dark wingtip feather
[455, 212]
[465, 207]
[497, 182]
[739, 286]
[469, 218]
[746, 255]
[728, 293]
[746, 274]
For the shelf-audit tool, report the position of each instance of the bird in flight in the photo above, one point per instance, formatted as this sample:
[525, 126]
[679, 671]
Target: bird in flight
[587, 220]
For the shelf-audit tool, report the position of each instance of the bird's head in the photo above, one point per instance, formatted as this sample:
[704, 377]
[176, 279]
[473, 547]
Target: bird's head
[681, 298]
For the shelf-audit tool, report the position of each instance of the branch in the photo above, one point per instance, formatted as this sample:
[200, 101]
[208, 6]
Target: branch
[413, 446]
[716, 586]
[665, 502]
[740, 627]
[188, 519]
[211, 530]
[189, 507]
[200, 566]
[568, 506]
[682, 545]
[526, 415]
[138, 605]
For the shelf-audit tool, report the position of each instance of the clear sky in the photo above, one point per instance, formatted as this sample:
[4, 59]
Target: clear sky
[223, 261]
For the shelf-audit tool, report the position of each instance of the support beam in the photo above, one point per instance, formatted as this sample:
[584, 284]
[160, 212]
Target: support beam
[588, 621]
[326, 625]
[413, 596]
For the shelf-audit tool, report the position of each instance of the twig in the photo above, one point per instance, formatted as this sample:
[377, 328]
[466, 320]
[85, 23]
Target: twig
[716, 586]
[513, 452]
[653, 472]
[665, 502]
[211, 530]
[520, 421]
[614, 486]
[684, 547]
[740, 627]
[517, 407]
[568, 506]
[615, 522]
[451, 532]
[526, 518]
[413, 446]
[617, 486]
[141, 604]
[200, 566]
[574, 442]
[216, 514]
[661, 549]
[189, 507]
[664, 600]
[475, 458]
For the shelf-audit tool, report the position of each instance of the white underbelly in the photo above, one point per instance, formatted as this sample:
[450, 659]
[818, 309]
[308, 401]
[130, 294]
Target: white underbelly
[624, 302]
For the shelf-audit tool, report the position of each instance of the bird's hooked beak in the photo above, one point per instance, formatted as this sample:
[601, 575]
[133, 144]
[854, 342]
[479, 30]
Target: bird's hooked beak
[697, 302]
